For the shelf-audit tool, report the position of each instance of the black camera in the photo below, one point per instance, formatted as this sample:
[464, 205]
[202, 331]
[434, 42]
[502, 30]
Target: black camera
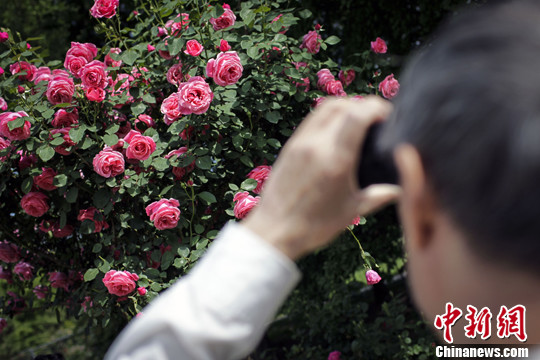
[376, 166]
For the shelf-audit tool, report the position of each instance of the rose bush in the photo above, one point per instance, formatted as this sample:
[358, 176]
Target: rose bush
[120, 164]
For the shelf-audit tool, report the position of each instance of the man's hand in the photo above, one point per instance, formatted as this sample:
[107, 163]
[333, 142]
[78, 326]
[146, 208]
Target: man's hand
[312, 192]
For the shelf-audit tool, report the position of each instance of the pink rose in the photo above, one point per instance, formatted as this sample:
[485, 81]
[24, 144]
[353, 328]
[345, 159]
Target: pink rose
[60, 90]
[358, 97]
[41, 291]
[146, 119]
[95, 94]
[164, 213]
[5, 274]
[5, 144]
[150, 48]
[224, 45]
[63, 118]
[62, 148]
[9, 253]
[347, 77]
[4, 36]
[194, 96]
[244, 204]
[174, 74]
[378, 46]
[3, 322]
[334, 355]
[3, 104]
[93, 74]
[193, 48]
[334, 88]
[79, 55]
[24, 270]
[356, 221]
[176, 26]
[372, 277]
[42, 74]
[59, 280]
[311, 42]
[88, 214]
[120, 283]
[389, 87]
[226, 69]
[35, 204]
[109, 60]
[170, 109]
[276, 18]
[108, 163]
[140, 147]
[104, 8]
[318, 101]
[324, 77]
[44, 180]
[226, 19]
[57, 232]
[178, 171]
[19, 133]
[23, 66]
[141, 291]
[165, 54]
[260, 173]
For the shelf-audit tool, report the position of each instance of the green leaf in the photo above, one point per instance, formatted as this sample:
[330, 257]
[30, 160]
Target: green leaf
[76, 134]
[248, 184]
[113, 129]
[57, 141]
[45, 152]
[209, 198]
[204, 162]
[160, 164]
[332, 40]
[97, 248]
[176, 46]
[26, 185]
[138, 109]
[253, 52]
[17, 123]
[101, 198]
[90, 274]
[274, 143]
[273, 116]
[166, 260]
[149, 98]
[129, 57]
[179, 262]
[71, 196]
[87, 227]
[110, 139]
[304, 14]
[60, 180]
[246, 160]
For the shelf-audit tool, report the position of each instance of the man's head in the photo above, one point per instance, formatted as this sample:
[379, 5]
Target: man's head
[469, 108]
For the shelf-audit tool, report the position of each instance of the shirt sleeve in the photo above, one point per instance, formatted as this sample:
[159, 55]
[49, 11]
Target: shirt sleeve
[220, 310]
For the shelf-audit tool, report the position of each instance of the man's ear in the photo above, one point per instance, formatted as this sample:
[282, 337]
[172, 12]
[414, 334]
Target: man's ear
[417, 205]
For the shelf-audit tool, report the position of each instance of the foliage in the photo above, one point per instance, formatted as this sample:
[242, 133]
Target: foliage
[71, 247]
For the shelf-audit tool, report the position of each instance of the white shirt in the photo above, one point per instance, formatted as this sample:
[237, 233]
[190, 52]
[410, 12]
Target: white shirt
[220, 310]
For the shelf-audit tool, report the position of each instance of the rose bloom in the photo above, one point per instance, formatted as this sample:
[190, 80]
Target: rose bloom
[174, 74]
[24, 270]
[145, 119]
[224, 46]
[178, 171]
[88, 214]
[324, 76]
[44, 180]
[372, 277]
[19, 133]
[21, 66]
[347, 77]
[59, 280]
[170, 109]
[42, 74]
[60, 90]
[378, 46]
[3, 322]
[226, 69]
[120, 283]
[79, 55]
[93, 74]
[5, 144]
[334, 88]
[108, 163]
[95, 94]
[140, 147]
[57, 232]
[1, 70]
[104, 8]
[5, 274]
[334, 355]
[356, 221]
[226, 19]
[150, 48]
[63, 118]
[41, 291]
[175, 26]
[389, 87]
[194, 96]
[4, 36]
[260, 173]
[35, 204]
[9, 253]
[244, 204]
[193, 48]
[318, 101]
[311, 42]
[3, 104]
[141, 291]
[61, 149]
[164, 213]
[109, 60]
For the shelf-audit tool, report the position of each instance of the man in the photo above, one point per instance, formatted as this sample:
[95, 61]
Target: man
[464, 134]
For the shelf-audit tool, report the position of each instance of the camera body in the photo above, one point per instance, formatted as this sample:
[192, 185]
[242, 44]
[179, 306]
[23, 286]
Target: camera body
[376, 167]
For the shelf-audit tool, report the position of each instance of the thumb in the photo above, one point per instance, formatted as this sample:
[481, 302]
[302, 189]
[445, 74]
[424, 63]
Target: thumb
[375, 197]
